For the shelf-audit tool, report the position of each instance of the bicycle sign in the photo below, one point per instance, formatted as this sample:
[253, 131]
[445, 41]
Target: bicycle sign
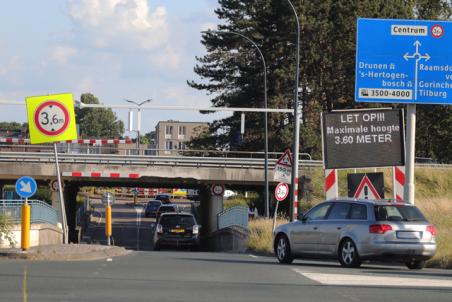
[51, 118]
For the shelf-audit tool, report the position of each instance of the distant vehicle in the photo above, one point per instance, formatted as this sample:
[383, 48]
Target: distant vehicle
[357, 230]
[192, 194]
[176, 230]
[164, 198]
[152, 208]
[166, 208]
[229, 194]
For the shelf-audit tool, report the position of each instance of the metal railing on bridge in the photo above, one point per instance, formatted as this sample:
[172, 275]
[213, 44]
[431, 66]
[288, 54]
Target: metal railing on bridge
[235, 216]
[41, 212]
[187, 161]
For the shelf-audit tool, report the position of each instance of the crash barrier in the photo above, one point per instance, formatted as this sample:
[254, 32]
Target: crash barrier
[41, 212]
[235, 216]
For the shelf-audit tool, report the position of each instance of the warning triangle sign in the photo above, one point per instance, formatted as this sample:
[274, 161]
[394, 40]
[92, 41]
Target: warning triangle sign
[285, 159]
[366, 190]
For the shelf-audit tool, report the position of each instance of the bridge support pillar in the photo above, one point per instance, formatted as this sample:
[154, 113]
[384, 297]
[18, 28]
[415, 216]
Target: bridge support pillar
[215, 207]
[70, 200]
[56, 205]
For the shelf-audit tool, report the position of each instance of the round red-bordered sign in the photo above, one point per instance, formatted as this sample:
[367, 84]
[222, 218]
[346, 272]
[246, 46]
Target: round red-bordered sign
[218, 190]
[437, 31]
[51, 118]
[281, 191]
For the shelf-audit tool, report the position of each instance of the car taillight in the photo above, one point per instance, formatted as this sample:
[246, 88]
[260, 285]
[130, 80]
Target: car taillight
[379, 228]
[159, 229]
[195, 229]
[431, 229]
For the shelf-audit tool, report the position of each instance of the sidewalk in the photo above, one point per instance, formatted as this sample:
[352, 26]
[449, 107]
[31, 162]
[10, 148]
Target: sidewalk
[66, 252]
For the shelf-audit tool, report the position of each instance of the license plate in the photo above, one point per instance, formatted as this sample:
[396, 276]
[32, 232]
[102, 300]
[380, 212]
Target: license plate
[177, 231]
[409, 235]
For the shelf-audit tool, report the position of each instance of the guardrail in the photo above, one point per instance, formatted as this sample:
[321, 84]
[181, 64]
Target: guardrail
[156, 160]
[235, 216]
[41, 212]
[187, 161]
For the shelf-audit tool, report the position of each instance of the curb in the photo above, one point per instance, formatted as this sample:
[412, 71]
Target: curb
[60, 253]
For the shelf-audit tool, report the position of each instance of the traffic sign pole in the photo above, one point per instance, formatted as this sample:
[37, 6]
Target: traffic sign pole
[108, 228]
[60, 191]
[25, 233]
[410, 153]
[275, 214]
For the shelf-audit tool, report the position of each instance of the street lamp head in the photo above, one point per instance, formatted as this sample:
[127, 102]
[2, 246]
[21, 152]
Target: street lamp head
[138, 104]
[144, 102]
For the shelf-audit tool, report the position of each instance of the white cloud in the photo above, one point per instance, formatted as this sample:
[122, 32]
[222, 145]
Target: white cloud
[129, 24]
[169, 57]
[62, 54]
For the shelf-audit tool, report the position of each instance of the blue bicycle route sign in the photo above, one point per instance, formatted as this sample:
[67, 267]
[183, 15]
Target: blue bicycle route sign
[404, 61]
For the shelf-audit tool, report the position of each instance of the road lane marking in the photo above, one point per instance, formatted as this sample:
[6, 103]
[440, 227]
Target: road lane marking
[370, 280]
[253, 256]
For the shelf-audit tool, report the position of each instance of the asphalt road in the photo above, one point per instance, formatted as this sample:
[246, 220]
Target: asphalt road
[188, 276]
[131, 229]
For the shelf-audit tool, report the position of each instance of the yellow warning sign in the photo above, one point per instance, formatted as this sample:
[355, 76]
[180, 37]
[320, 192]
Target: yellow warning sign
[51, 118]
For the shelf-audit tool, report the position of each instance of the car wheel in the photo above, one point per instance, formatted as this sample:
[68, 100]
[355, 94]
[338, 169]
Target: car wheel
[348, 254]
[282, 250]
[415, 264]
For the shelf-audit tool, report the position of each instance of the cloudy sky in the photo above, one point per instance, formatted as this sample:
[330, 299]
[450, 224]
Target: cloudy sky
[115, 49]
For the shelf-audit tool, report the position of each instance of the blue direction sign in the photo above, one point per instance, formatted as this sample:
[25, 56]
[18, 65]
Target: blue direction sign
[26, 186]
[404, 61]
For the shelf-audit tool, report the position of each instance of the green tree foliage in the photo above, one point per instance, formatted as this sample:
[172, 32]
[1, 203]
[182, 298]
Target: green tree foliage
[5, 230]
[97, 122]
[13, 126]
[147, 138]
[232, 72]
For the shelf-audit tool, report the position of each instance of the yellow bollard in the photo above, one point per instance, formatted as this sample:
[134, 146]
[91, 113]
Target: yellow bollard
[108, 231]
[25, 234]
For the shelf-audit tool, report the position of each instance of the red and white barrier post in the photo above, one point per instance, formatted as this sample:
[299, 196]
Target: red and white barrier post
[331, 186]
[398, 178]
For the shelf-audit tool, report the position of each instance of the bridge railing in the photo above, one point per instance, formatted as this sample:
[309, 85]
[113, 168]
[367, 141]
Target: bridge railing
[235, 216]
[188, 161]
[41, 212]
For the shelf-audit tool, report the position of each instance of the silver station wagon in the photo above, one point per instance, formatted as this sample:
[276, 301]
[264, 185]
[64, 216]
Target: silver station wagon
[353, 230]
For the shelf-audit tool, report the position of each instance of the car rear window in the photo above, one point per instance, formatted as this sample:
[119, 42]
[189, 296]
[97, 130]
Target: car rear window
[177, 220]
[398, 213]
[154, 204]
[167, 209]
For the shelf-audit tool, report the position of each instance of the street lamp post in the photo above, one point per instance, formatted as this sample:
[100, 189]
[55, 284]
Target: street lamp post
[267, 203]
[138, 119]
[296, 139]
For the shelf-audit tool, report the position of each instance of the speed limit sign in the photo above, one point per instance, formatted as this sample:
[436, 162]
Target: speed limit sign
[51, 118]
[281, 191]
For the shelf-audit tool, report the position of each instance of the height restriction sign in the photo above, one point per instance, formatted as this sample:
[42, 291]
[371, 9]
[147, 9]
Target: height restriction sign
[51, 118]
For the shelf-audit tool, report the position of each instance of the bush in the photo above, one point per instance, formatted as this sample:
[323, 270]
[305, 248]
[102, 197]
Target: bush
[5, 230]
